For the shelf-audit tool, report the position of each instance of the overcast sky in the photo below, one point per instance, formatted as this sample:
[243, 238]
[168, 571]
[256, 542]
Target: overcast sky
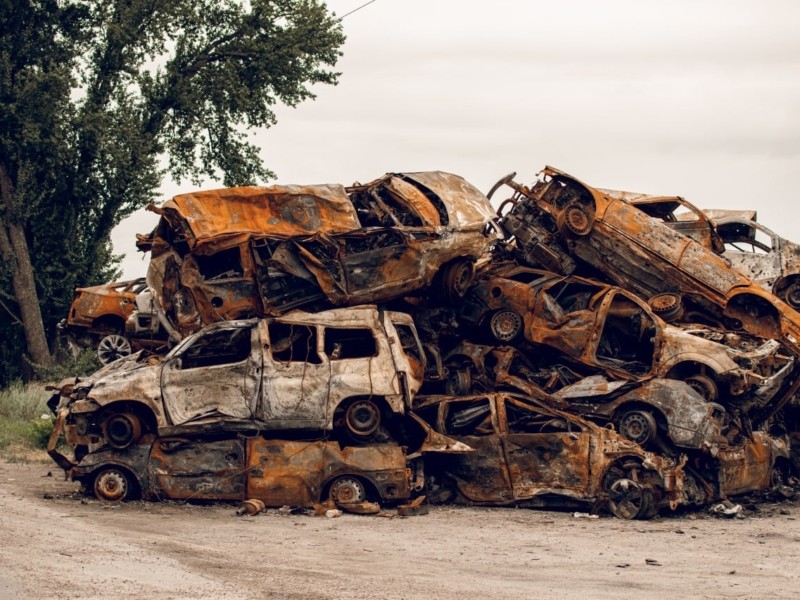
[698, 98]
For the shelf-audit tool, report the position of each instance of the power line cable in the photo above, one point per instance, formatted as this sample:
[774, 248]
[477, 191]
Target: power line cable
[356, 9]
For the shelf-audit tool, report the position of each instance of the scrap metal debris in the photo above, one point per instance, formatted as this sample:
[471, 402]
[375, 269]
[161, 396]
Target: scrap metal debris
[399, 343]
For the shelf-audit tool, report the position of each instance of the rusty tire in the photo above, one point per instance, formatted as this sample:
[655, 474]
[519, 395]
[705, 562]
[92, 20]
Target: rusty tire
[505, 325]
[113, 347]
[667, 306]
[347, 490]
[704, 385]
[638, 426]
[113, 484]
[121, 430]
[457, 279]
[574, 220]
[363, 418]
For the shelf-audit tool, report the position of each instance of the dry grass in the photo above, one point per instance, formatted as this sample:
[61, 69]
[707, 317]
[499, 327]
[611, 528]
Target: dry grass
[23, 430]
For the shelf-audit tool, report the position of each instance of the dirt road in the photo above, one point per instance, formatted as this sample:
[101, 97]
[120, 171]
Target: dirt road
[54, 544]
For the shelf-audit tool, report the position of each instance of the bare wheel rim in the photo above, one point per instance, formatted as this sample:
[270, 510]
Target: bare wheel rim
[458, 383]
[363, 417]
[348, 490]
[628, 499]
[113, 347]
[576, 220]
[637, 426]
[112, 485]
[704, 385]
[458, 278]
[505, 325]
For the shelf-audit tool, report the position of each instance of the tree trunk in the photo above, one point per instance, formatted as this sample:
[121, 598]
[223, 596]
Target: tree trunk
[14, 252]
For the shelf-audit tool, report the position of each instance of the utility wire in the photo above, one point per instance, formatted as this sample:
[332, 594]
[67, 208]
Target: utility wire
[356, 9]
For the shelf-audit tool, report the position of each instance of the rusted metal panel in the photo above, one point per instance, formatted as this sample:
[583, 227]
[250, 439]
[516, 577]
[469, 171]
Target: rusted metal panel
[185, 469]
[223, 218]
[298, 473]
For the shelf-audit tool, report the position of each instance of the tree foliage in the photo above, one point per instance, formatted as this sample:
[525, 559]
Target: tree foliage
[100, 99]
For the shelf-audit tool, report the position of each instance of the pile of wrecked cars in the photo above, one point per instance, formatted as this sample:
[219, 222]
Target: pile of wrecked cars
[400, 339]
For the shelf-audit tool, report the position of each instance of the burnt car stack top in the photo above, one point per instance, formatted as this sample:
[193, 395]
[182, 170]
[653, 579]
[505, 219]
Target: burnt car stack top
[399, 337]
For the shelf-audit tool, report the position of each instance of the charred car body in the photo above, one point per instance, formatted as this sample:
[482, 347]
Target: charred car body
[529, 454]
[613, 331]
[643, 255]
[98, 318]
[347, 369]
[244, 252]
[277, 472]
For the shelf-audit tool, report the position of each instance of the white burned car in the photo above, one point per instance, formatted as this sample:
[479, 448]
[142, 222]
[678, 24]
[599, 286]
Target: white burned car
[346, 369]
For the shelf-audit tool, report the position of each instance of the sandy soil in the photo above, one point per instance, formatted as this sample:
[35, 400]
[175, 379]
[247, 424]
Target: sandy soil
[56, 544]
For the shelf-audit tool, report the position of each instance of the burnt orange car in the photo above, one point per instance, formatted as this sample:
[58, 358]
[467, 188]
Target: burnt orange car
[98, 314]
[643, 254]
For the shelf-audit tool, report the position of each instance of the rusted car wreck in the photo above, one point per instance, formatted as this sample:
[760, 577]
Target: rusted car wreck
[642, 254]
[243, 252]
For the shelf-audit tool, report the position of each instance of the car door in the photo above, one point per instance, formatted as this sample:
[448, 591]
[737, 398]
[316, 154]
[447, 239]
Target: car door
[481, 475]
[752, 250]
[297, 376]
[215, 374]
[625, 340]
[183, 469]
[564, 317]
[381, 263]
[747, 467]
[545, 453]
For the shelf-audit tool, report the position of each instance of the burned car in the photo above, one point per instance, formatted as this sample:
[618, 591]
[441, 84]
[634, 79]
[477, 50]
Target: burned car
[664, 415]
[752, 249]
[277, 472]
[770, 260]
[258, 251]
[348, 370]
[613, 331]
[529, 454]
[643, 255]
[98, 315]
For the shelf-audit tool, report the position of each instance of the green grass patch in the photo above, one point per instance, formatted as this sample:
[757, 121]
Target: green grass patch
[21, 424]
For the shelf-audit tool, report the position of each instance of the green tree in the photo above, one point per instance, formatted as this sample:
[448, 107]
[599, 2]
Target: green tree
[99, 100]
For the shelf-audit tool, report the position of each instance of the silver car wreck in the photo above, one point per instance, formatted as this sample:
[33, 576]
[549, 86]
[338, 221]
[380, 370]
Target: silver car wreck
[345, 369]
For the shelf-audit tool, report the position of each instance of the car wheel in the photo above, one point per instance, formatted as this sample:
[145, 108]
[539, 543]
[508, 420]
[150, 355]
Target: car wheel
[459, 383]
[363, 418]
[114, 485]
[121, 430]
[113, 347]
[791, 295]
[667, 306]
[778, 477]
[638, 426]
[505, 325]
[628, 496]
[457, 279]
[347, 490]
[574, 220]
[704, 385]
